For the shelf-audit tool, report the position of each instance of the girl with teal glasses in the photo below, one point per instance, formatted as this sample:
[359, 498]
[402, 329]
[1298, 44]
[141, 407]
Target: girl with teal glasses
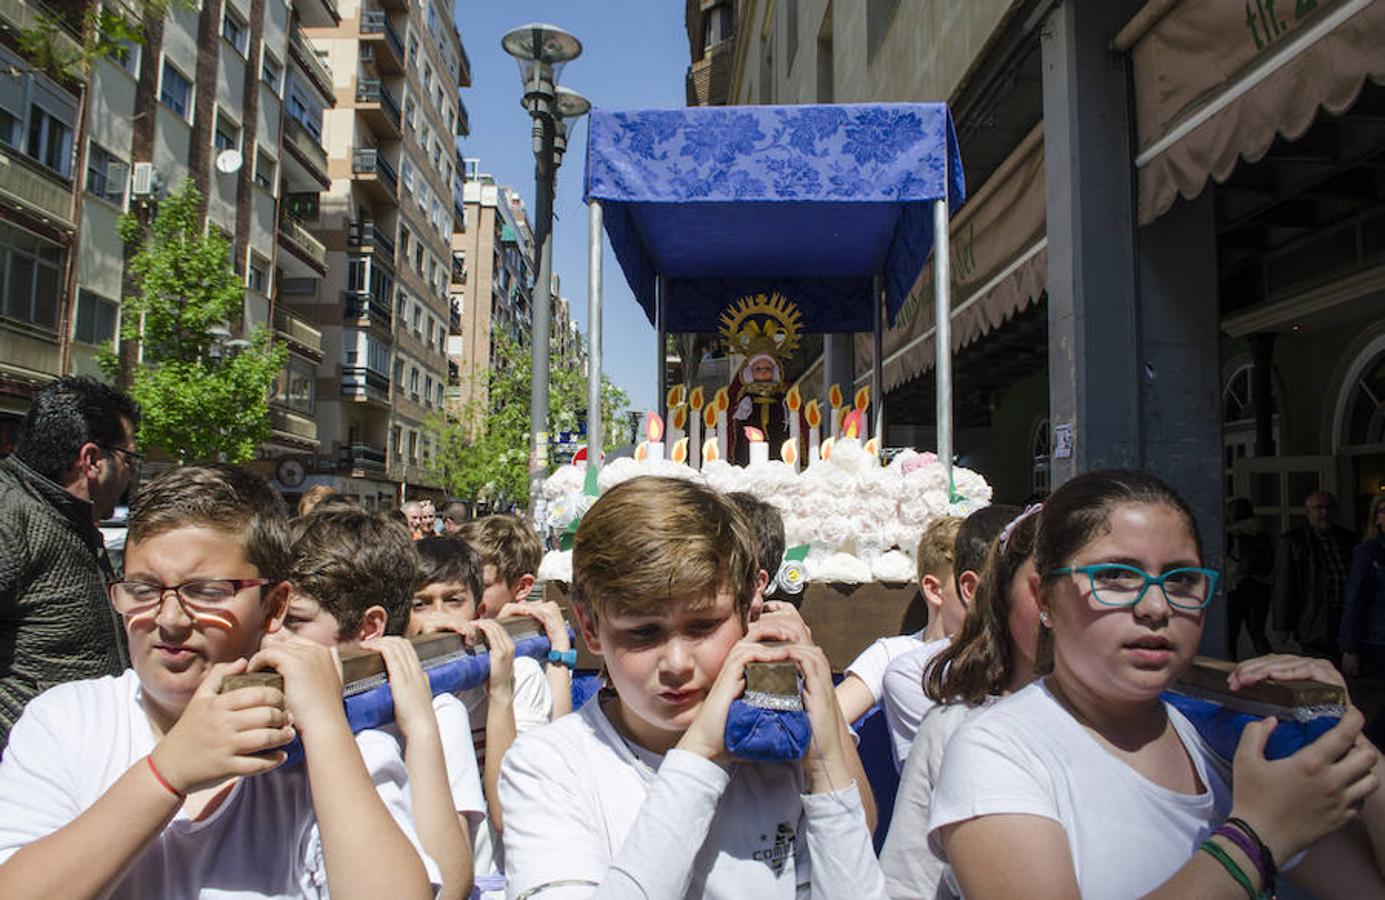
[1085, 783]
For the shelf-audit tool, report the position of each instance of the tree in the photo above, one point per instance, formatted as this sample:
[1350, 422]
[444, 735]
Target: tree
[483, 450]
[59, 47]
[202, 397]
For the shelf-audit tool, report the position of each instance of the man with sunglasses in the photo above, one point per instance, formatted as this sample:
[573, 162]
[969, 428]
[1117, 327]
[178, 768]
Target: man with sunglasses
[74, 459]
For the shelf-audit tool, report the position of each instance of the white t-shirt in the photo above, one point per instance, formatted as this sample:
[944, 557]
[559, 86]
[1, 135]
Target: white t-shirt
[533, 706]
[1127, 835]
[76, 740]
[463, 777]
[911, 868]
[903, 697]
[870, 665]
[589, 815]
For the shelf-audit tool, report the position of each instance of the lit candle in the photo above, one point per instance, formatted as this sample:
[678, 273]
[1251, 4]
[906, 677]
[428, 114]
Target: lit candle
[851, 426]
[813, 413]
[835, 400]
[654, 436]
[722, 403]
[709, 450]
[794, 402]
[826, 448]
[759, 447]
[695, 403]
[679, 453]
[873, 446]
[678, 421]
[789, 453]
[862, 403]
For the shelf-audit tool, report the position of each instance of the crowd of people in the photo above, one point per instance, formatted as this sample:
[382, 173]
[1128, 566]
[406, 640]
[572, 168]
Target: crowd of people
[1037, 758]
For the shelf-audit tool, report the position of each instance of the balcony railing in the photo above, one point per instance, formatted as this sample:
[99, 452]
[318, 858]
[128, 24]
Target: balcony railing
[368, 234]
[363, 305]
[300, 239]
[373, 90]
[297, 331]
[364, 456]
[29, 184]
[374, 21]
[307, 55]
[309, 147]
[24, 15]
[369, 161]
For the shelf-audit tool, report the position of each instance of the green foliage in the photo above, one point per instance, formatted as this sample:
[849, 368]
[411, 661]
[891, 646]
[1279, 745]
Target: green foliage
[53, 45]
[483, 453]
[200, 400]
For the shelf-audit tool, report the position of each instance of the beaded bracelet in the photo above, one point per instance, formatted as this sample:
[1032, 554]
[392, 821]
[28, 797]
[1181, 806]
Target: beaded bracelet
[1229, 864]
[565, 658]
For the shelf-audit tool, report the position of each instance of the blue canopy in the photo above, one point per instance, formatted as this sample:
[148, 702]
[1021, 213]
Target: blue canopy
[810, 201]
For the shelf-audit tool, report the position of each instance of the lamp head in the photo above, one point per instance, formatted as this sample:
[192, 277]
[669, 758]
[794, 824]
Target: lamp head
[541, 51]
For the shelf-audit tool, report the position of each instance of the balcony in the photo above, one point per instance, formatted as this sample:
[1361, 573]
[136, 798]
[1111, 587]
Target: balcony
[395, 6]
[302, 50]
[373, 172]
[34, 188]
[385, 45]
[463, 120]
[458, 270]
[378, 107]
[361, 306]
[363, 456]
[369, 236]
[459, 217]
[23, 16]
[298, 334]
[454, 321]
[317, 13]
[292, 428]
[307, 152]
[296, 239]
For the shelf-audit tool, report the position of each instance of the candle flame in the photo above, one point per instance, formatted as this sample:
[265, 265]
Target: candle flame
[709, 415]
[723, 399]
[834, 396]
[813, 413]
[675, 396]
[825, 449]
[642, 451]
[873, 446]
[754, 435]
[793, 399]
[680, 417]
[789, 451]
[851, 425]
[653, 426]
[695, 399]
[863, 397]
[710, 453]
[680, 451]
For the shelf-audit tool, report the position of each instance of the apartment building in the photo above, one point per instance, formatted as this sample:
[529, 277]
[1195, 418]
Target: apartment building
[387, 218]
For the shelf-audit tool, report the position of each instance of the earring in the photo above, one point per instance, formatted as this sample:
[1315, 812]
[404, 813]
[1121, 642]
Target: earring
[1044, 619]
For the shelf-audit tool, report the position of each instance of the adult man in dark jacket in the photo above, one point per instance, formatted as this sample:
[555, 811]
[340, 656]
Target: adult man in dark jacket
[1310, 578]
[75, 457]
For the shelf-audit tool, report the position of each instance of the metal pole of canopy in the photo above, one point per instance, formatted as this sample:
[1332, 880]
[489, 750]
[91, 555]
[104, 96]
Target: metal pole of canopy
[942, 331]
[662, 339]
[595, 439]
[877, 374]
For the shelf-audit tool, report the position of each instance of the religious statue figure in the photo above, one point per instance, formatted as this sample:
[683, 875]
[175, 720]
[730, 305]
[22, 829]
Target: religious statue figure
[764, 331]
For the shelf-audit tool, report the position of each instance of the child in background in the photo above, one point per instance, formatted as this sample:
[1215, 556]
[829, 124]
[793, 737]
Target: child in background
[510, 555]
[768, 527]
[137, 787]
[864, 679]
[635, 794]
[902, 685]
[353, 574]
[996, 653]
[1085, 783]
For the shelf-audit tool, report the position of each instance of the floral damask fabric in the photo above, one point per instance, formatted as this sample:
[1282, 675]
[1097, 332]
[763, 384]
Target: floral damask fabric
[856, 182]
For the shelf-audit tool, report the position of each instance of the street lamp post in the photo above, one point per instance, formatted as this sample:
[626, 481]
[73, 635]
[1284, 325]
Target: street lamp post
[541, 51]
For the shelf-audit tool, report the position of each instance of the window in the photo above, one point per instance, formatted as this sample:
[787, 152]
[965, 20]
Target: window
[31, 272]
[95, 318]
[413, 49]
[413, 444]
[432, 331]
[106, 175]
[234, 31]
[296, 386]
[264, 170]
[126, 55]
[257, 278]
[271, 71]
[176, 91]
[50, 140]
[227, 134]
[437, 394]
[413, 381]
[428, 389]
[418, 328]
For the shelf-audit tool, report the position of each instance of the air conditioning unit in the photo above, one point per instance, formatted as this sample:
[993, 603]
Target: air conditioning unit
[145, 180]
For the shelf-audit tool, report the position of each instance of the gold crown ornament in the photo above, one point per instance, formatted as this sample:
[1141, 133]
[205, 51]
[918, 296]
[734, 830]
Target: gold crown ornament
[762, 324]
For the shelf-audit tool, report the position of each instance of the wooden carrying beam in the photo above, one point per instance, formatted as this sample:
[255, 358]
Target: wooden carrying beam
[359, 664]
[1207, 678]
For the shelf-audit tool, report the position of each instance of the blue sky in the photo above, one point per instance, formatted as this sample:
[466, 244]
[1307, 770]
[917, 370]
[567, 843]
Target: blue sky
[634, 55]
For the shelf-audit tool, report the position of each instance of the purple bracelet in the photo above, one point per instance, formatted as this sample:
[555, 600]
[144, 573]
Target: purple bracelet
[1248, 847]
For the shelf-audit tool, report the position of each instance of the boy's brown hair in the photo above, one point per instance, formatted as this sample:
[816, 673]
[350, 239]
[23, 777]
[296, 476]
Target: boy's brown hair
[768, 525]
[349, 560]
[446, 560]
[651, 541]
[506, 542]
[938, 547]
[224, 498]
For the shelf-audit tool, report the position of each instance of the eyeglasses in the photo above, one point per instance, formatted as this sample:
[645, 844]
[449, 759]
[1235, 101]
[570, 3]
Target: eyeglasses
[131, 598]
[133, 457]
[1116, 584]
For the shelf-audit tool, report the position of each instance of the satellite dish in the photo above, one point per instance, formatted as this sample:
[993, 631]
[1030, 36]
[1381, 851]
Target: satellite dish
[229, 162]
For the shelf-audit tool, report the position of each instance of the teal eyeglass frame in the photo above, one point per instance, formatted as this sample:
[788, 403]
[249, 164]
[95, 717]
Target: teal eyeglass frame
[1212, 576]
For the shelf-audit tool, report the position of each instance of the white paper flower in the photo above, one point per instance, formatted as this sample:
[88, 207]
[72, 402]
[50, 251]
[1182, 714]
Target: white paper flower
[893, 566]
[556, 566]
